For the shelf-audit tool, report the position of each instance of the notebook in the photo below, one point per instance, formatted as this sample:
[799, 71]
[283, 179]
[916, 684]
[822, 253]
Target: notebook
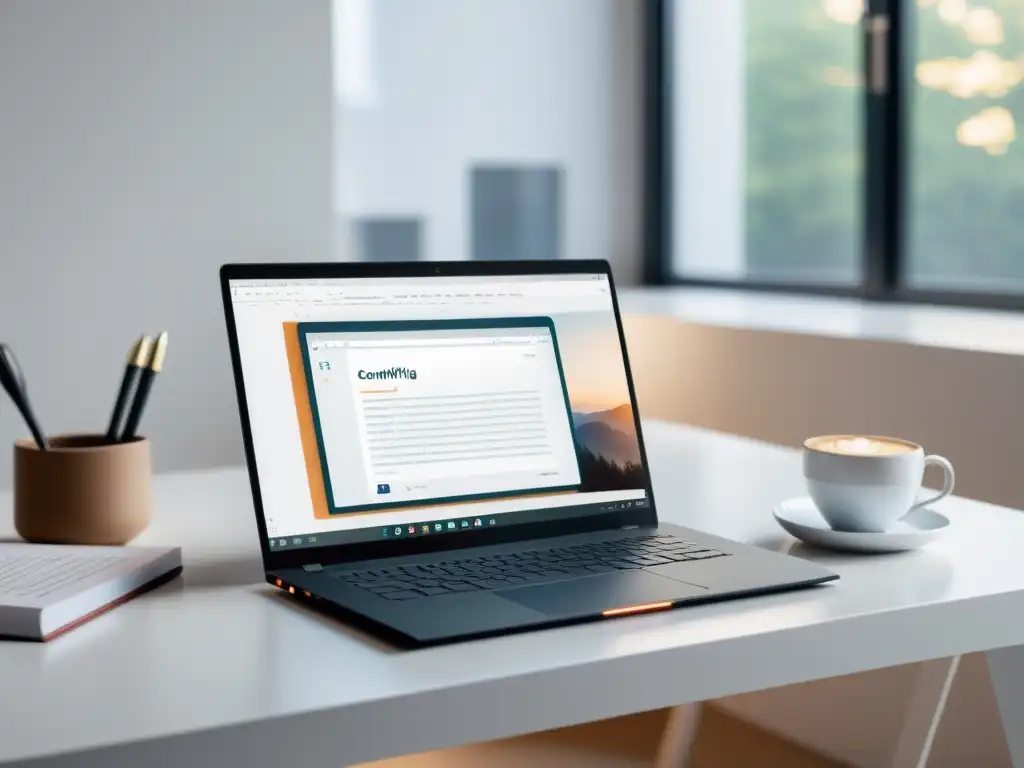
[46, 589]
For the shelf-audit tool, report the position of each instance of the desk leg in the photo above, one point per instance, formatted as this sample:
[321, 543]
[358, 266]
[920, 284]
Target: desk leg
[680, 732]
[1006, 668]
[924, 711]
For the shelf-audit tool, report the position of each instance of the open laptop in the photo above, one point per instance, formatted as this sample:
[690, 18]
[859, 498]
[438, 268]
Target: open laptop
[441, 451]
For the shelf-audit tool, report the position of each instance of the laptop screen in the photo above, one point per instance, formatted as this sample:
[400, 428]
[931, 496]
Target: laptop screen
[396, 408]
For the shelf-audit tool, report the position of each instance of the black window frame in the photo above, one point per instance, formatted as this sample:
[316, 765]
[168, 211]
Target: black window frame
[886, 121]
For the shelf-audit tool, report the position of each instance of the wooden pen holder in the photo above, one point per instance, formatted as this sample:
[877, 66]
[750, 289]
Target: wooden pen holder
[82, 490]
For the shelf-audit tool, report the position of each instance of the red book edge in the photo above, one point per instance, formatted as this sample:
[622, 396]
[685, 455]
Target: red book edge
[149, 585]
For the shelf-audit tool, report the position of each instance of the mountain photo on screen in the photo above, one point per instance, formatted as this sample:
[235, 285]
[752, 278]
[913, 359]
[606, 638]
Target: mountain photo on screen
[603, 421]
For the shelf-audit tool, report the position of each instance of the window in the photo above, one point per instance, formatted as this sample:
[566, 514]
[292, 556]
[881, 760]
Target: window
[767, 137]
[838, 146]
[966, 180]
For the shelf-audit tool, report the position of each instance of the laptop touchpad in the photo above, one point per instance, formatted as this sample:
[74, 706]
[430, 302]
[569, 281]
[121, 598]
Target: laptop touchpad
[593, 594]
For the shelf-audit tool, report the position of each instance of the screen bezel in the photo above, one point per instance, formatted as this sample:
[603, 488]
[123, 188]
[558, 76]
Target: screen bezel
[273, 560]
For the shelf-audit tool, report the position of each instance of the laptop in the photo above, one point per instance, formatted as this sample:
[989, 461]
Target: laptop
[443, 451]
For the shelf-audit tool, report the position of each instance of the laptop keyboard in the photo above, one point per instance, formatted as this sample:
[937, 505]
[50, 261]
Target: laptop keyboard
[501, 571]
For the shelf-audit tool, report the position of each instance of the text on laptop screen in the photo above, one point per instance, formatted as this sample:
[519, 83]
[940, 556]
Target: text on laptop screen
[393, 408]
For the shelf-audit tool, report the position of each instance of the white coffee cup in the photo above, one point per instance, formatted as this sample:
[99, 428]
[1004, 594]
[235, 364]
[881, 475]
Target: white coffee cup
[866, 483]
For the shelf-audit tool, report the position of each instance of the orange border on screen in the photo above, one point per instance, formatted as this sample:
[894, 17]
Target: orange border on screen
[304, 412]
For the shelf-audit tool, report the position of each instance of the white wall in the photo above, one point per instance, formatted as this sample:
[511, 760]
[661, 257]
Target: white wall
[436, 85]
[142, 144]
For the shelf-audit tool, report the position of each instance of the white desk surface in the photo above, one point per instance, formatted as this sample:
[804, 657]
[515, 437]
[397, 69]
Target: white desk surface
[221, 667]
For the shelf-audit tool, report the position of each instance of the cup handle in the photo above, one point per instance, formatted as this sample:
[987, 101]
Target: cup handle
[947, 486]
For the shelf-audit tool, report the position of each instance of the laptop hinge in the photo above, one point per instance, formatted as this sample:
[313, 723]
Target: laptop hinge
[628, 527]
[312, 567]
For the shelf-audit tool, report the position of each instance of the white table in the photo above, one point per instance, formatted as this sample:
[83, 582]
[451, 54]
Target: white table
[220, 669]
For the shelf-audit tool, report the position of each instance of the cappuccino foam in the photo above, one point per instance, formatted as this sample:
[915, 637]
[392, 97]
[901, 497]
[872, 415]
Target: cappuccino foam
[860, 445]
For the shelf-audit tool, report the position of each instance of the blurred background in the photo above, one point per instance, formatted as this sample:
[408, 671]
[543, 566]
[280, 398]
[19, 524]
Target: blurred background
[773, 93]
[497, 130]
[514, 129]
[819, 146]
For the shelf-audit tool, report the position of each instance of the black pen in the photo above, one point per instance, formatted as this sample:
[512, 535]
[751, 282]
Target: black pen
[137, 359]
[13, 380]
[153, 366]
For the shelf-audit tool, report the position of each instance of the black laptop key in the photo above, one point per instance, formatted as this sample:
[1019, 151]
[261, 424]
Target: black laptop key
[642, 549]
[461, 587]
[652, 551]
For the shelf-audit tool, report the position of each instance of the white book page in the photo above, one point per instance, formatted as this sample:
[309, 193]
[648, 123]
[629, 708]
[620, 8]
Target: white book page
[37, 575]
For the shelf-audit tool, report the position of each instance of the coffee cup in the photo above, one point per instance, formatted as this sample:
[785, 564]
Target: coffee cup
[866, 483]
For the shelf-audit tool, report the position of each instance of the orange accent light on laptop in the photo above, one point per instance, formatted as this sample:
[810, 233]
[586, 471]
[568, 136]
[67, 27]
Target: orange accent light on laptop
[644, 608]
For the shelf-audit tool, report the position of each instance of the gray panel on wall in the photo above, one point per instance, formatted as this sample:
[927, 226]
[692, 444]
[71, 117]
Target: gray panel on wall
[516, 212]
[388, 239]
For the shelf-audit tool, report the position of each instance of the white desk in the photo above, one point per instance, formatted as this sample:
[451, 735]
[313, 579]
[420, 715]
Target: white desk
[221, 669]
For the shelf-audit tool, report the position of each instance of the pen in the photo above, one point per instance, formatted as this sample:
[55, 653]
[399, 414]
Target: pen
[137, 359]
[13, 380]
[152, 368]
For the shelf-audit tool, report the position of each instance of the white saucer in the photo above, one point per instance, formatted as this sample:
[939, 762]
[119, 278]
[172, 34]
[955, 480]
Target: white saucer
[801, 519]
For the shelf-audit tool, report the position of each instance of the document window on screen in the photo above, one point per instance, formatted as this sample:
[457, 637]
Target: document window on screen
[427, 412]
[384, 408]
